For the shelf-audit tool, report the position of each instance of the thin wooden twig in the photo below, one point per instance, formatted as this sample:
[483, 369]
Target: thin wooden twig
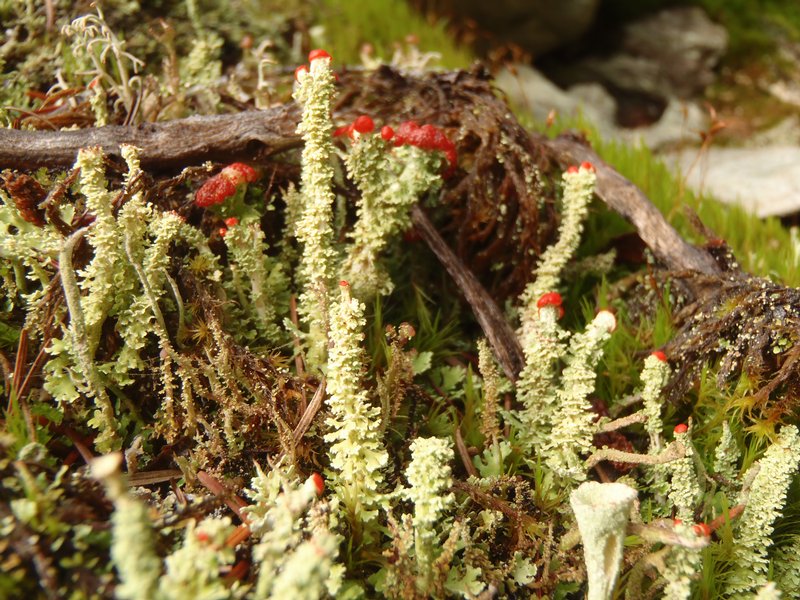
[491, 319]
[310, 413]
[298, 348]
[167, 145]
[234, 502]
[489, 501]
[463, 452]
[637, 417]
[152, 477]
[19, 363]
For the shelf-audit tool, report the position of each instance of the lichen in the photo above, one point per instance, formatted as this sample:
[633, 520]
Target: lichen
[357, 453]
[764, 503]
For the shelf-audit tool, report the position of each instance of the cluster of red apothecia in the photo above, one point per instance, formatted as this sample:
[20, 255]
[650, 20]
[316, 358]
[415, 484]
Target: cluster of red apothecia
[312, 56]
[426, 137]
[408, 133]
[229, 222]
[584, 165]
[223, 185]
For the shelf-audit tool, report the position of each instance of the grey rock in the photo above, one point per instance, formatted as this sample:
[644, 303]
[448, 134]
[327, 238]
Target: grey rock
[679, 123]
[766, 181]
[528, 89]
[784, 133]
[669, 54]
[537, 26]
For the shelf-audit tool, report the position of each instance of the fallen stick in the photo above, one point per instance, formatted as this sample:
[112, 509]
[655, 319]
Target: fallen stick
[165, 145]
[501, 337]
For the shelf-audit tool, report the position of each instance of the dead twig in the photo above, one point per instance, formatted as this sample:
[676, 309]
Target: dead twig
[463, 452]
[171, 144]
[309, 413]
[491, 319]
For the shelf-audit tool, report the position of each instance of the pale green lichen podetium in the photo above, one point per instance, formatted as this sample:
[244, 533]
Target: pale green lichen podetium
[357, 454]
[682, 565]
[390, 184]
[313, 229]
[544, 348]
[250, 264]
[104, 278]
[574, 427]
[768, 592]
[306, 570]
[763, 505]
[542, 340]
[429, 477]
[132, 538]
[490, 426]
[786, 566]
[193, 569]
[726, 458]
[602, 511]
[684, 489]
[296, 551]
[579, 186]
[654, 376]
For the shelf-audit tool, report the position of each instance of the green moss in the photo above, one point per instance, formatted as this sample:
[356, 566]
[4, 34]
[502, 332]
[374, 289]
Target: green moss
[384, 24]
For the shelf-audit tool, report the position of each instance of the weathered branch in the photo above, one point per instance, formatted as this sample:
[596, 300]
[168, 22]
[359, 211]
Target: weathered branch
[672, 452]
[499, 333]
[650, 533]
[170, 144]
[629, 201]
[616, 424]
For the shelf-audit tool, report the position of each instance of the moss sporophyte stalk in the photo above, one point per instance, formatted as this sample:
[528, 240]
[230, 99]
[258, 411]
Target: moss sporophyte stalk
[279, 392]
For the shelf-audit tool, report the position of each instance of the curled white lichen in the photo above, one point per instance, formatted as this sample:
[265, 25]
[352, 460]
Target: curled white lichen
[602, 511]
